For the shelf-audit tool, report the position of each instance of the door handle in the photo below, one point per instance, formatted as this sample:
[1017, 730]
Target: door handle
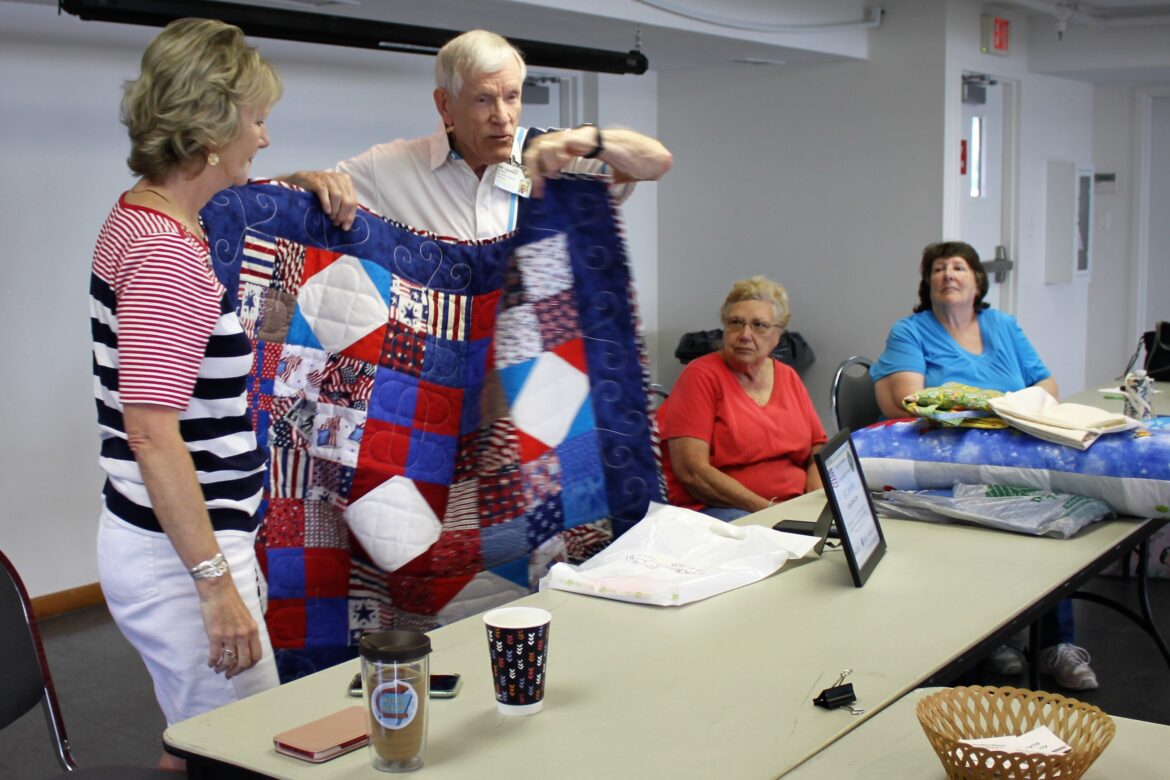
[1000, 266]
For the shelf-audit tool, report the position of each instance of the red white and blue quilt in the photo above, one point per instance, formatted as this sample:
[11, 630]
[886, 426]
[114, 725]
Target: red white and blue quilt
[476, 407]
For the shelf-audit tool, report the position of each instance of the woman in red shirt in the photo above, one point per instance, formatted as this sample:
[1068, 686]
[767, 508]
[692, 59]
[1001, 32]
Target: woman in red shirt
[739, 427]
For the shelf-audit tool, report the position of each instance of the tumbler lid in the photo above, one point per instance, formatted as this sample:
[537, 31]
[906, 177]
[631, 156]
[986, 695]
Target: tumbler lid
[394, 646]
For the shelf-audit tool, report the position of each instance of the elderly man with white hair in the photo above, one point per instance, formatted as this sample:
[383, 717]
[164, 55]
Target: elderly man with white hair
[463, 181]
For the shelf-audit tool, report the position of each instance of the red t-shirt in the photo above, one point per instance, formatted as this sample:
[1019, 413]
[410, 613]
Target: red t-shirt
[764, 448]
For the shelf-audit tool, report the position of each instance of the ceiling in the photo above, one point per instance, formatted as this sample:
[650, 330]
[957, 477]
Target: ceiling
[681, 34]
[812, 30]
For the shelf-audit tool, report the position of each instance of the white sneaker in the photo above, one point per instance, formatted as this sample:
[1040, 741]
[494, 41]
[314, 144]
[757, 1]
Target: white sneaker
[1006, 659]
[1069, 664]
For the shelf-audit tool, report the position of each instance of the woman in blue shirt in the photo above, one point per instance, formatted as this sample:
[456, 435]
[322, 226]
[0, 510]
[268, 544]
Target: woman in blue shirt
[954, 337]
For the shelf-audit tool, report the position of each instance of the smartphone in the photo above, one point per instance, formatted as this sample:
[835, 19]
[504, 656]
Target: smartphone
[327, 737]
[443, 686]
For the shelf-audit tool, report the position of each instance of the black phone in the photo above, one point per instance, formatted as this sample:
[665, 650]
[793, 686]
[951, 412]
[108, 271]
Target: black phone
[803, 527]
[443, 686]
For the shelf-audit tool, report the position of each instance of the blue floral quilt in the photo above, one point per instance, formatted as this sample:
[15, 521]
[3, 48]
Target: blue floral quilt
[1130, 471]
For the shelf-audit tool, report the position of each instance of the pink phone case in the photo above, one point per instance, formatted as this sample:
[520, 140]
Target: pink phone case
[327, 737]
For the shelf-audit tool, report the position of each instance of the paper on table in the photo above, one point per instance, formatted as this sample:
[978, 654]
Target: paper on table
[1039, 740]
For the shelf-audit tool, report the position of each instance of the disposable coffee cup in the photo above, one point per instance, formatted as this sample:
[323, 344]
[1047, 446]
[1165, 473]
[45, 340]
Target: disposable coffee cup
[396, 677]
[518, 649]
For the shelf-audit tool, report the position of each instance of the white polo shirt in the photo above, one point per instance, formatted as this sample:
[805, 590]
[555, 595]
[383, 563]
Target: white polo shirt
[423, 183]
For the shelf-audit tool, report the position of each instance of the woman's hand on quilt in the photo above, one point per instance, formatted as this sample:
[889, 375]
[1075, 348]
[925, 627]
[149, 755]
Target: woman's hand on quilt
[334, 190]
[233, 638]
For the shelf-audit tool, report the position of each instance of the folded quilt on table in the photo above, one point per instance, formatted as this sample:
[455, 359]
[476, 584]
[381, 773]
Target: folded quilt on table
[469, 410]
[1034, 410]
[1128, 471]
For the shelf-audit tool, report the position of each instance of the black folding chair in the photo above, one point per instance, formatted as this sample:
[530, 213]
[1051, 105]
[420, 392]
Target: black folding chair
[25, 680]
[854, 402]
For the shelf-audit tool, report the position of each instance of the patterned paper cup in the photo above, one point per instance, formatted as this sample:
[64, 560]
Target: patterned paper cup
[518, 647]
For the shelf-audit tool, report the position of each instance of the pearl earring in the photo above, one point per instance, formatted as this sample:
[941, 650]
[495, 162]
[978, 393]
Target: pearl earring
[212, 159]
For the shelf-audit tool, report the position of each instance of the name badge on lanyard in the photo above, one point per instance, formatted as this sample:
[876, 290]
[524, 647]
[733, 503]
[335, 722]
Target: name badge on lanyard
[512, 177]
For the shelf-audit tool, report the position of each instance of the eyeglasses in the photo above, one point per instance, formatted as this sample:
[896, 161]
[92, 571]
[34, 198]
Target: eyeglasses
[735, 325]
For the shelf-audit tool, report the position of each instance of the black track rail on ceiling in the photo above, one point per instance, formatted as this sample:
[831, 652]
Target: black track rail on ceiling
[343, 31]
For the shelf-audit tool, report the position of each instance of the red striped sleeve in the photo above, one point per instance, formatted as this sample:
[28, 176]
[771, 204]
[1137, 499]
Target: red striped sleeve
[168, 305]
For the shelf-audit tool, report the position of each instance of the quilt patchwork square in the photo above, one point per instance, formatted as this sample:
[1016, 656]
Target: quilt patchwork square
[277, 308]
[346, 381]
[404, 349]
[289, 266]
[299, 372]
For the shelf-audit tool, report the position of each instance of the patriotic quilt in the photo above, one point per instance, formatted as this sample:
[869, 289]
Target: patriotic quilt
[444, 420]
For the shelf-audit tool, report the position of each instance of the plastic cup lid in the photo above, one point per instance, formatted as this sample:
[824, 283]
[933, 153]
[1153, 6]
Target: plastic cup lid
[394, 646]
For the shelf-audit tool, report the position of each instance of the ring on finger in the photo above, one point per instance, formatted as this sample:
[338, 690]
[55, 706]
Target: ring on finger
[227, 655]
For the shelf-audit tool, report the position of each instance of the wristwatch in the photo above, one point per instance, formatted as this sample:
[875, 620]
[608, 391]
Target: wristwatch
[598, 146]
[213, 567]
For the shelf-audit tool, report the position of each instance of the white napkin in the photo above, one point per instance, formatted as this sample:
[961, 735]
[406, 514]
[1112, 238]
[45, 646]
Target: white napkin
[1034, 410]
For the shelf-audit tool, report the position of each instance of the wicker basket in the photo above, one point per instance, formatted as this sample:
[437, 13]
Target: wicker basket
[980, 711]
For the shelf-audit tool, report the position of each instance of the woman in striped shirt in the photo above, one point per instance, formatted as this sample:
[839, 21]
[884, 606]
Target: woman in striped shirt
[184, 472]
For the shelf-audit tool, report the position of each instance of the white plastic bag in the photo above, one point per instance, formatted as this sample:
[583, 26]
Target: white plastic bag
[1019, 509]
[675, 556]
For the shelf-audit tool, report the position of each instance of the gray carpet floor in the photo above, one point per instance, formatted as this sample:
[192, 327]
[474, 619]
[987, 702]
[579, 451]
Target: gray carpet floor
[111, 715]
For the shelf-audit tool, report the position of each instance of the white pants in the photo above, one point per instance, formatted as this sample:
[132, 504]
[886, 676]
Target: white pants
[153, 600]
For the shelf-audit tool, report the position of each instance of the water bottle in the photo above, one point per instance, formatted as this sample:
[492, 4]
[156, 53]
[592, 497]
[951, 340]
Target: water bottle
[1139, 386]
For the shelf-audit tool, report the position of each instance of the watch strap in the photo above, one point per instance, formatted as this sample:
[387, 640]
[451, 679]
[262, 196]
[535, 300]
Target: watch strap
[598, 146]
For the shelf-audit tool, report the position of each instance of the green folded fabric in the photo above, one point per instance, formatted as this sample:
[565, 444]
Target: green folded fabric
[955, 405]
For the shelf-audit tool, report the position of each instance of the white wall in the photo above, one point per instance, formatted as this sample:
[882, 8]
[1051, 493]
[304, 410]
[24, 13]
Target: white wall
[1158, 271]
[632, 102]
[1110, 336]
[827, 178]
[63, 153]
[1056, 124]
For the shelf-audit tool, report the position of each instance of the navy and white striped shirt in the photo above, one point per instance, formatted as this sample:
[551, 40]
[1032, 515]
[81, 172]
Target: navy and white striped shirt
[164, 333]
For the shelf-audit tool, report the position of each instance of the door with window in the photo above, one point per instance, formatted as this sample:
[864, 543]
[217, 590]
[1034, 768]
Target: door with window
[982, 167]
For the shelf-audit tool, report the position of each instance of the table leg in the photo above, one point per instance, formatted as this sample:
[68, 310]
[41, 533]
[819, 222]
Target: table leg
[1146, 619]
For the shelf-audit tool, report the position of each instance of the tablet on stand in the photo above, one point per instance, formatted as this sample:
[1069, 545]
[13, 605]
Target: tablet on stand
[849, 507]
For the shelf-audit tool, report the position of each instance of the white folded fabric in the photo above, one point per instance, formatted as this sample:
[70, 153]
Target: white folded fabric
[1034, 410]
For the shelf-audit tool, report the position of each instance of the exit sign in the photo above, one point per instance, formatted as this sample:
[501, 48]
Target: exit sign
[994, 39]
